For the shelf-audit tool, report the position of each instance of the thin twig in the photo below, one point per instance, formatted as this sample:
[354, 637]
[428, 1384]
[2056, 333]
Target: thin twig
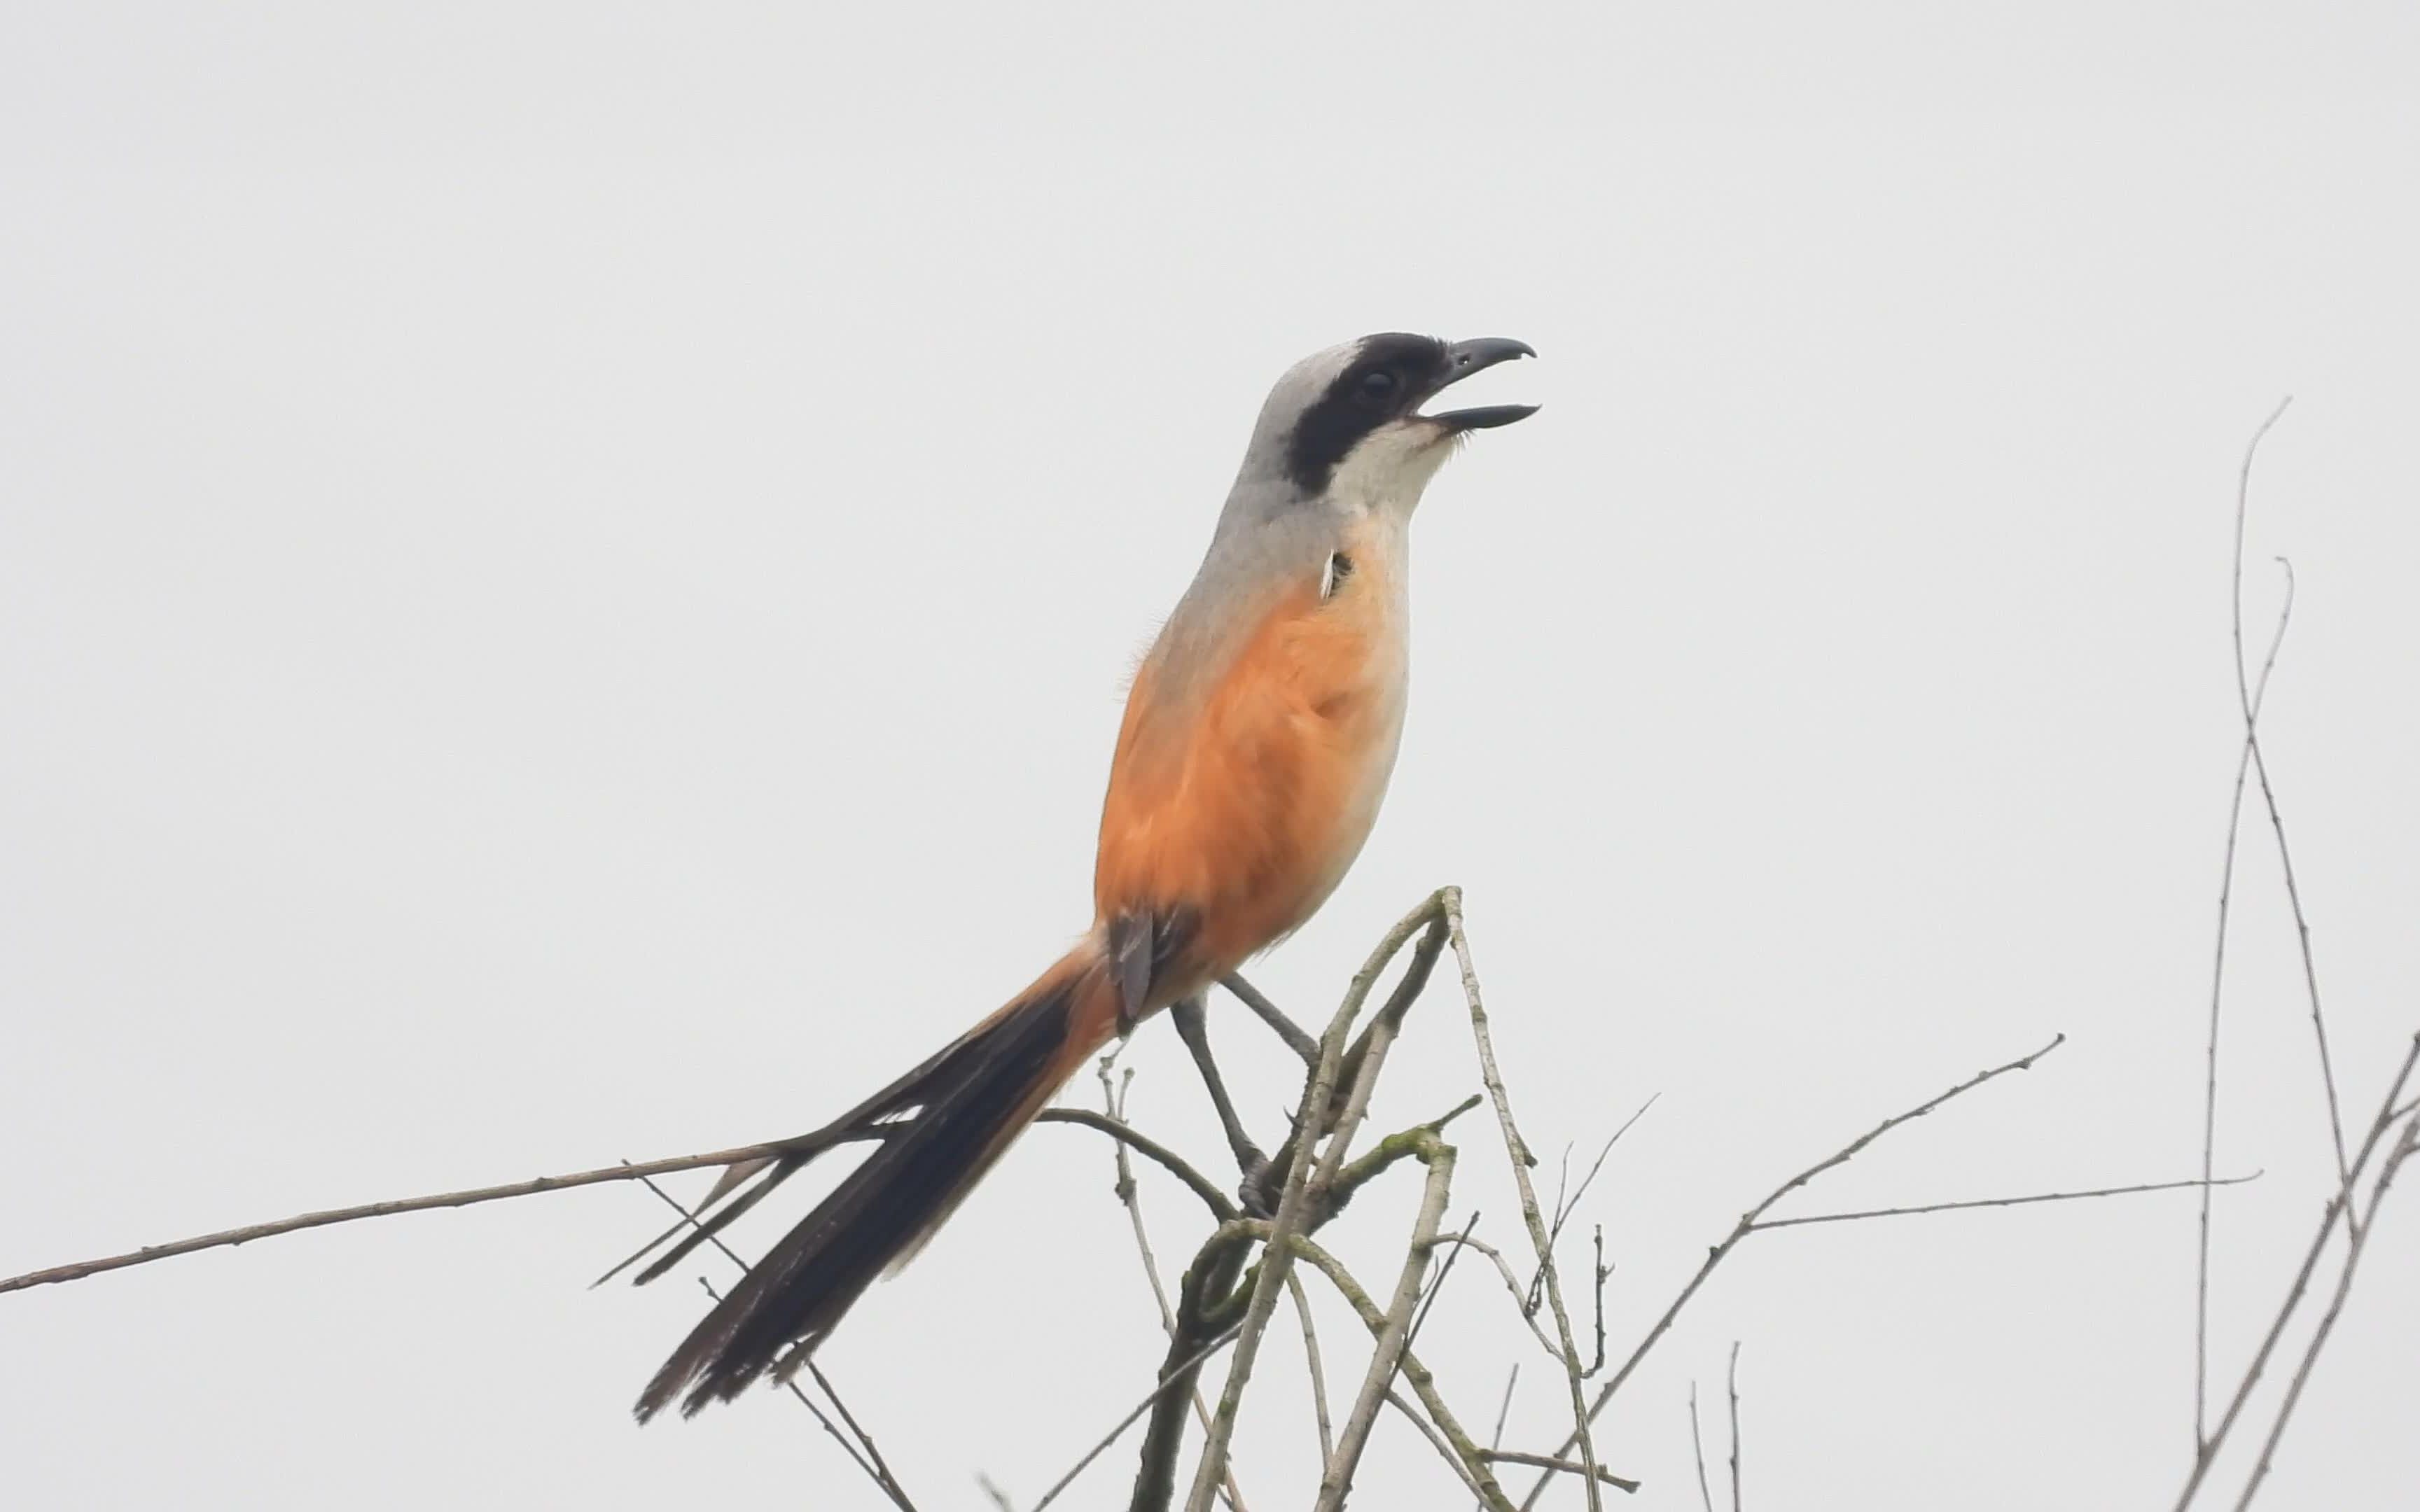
[1549, 1463]
[1318, 1371]
[2250, 700]
[871, 1461]
[2357, 1242]
[1698, 1445]
[1564, 1209]
[804, 1143]
[626, 1171]
[1512, 1289]
[1437, 1440]
[840, 1405]
[1114, 1095]
[2000, 1202]
[1747, 1223]
[1151, 1397]
[1436, 1287]
[1520, 1159]
[1394, 1339]
[1113, 1099]
[1151, 1149]
[1503, 1409]
[1731, 1381]
[889, 1488]
[2301, 928]
[1602, 1272]
[2338, 1207]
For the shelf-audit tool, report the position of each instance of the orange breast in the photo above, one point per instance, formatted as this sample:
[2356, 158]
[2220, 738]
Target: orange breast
[1247, 800]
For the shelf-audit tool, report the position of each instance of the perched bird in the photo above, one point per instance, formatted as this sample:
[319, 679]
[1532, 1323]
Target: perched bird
[1258, 738]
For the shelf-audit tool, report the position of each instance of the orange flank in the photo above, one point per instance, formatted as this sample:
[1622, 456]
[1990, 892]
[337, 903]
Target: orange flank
[1245, 807]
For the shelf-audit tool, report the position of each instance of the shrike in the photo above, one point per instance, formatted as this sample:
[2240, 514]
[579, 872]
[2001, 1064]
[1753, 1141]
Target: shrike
[1259, 735]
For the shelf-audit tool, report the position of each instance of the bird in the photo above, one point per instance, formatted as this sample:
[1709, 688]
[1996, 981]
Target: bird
[1259, 733]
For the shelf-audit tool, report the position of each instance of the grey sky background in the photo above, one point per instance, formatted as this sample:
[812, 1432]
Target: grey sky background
[565, 573]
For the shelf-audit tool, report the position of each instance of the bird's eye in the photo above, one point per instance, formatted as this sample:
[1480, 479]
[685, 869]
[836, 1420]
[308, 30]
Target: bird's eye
[1378, 384]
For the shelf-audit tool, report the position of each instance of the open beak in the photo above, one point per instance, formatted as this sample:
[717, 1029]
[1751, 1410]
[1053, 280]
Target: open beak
[1462, 359]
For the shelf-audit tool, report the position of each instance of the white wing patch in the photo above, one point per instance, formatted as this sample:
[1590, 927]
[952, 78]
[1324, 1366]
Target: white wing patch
[1332, 574]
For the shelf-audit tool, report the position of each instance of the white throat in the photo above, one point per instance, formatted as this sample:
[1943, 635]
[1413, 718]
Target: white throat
[1390, 469]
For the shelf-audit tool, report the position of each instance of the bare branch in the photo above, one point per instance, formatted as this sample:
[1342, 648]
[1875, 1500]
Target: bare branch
[2001, 1202]
[1151, 1149]
[1387, 1152]
[1547, 1463]
[1437, 1440]
[1184, 1373]
[872, 1451]
[1512, 1289]
[1504, 1409]
[804, 1143]
[1698, 1445]
[889, 1488]
[1521, 1161]
[1748, 1226]
[2251, 711]
[1731, 1381]
[2357, 1243]
[1601, 1272]
[627, 1171]
[2250, 700]
[1436, 1287]
[1423, 1384]
[1113, 1094]
[1395, 1337]
[1312, 1361]
[1207, 1306]
[871, 1460]
[2339, 1207]
[1564, 1209]
[1290, 1206]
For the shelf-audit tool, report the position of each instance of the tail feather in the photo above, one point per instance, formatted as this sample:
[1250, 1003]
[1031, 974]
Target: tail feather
[859, 1122]
[974, 1099]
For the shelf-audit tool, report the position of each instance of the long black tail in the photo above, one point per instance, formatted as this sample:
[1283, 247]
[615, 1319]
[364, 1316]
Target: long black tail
[974, 1099]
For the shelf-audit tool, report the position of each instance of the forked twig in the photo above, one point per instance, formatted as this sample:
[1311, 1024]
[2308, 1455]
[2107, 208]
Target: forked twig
[1747, 1225]
[1277, 1254]
[1394, 1339]
[1564, 1209]
[2339, 1208]
[2357, 1242]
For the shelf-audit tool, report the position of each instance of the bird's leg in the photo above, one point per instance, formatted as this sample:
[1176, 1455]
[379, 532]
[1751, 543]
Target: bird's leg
[1193, 1027]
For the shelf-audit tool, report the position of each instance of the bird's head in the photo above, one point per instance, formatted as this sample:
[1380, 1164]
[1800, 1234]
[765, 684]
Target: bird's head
[1346, 424]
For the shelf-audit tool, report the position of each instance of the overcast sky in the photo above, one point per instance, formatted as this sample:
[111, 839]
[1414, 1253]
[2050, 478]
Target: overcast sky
[565, 578]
